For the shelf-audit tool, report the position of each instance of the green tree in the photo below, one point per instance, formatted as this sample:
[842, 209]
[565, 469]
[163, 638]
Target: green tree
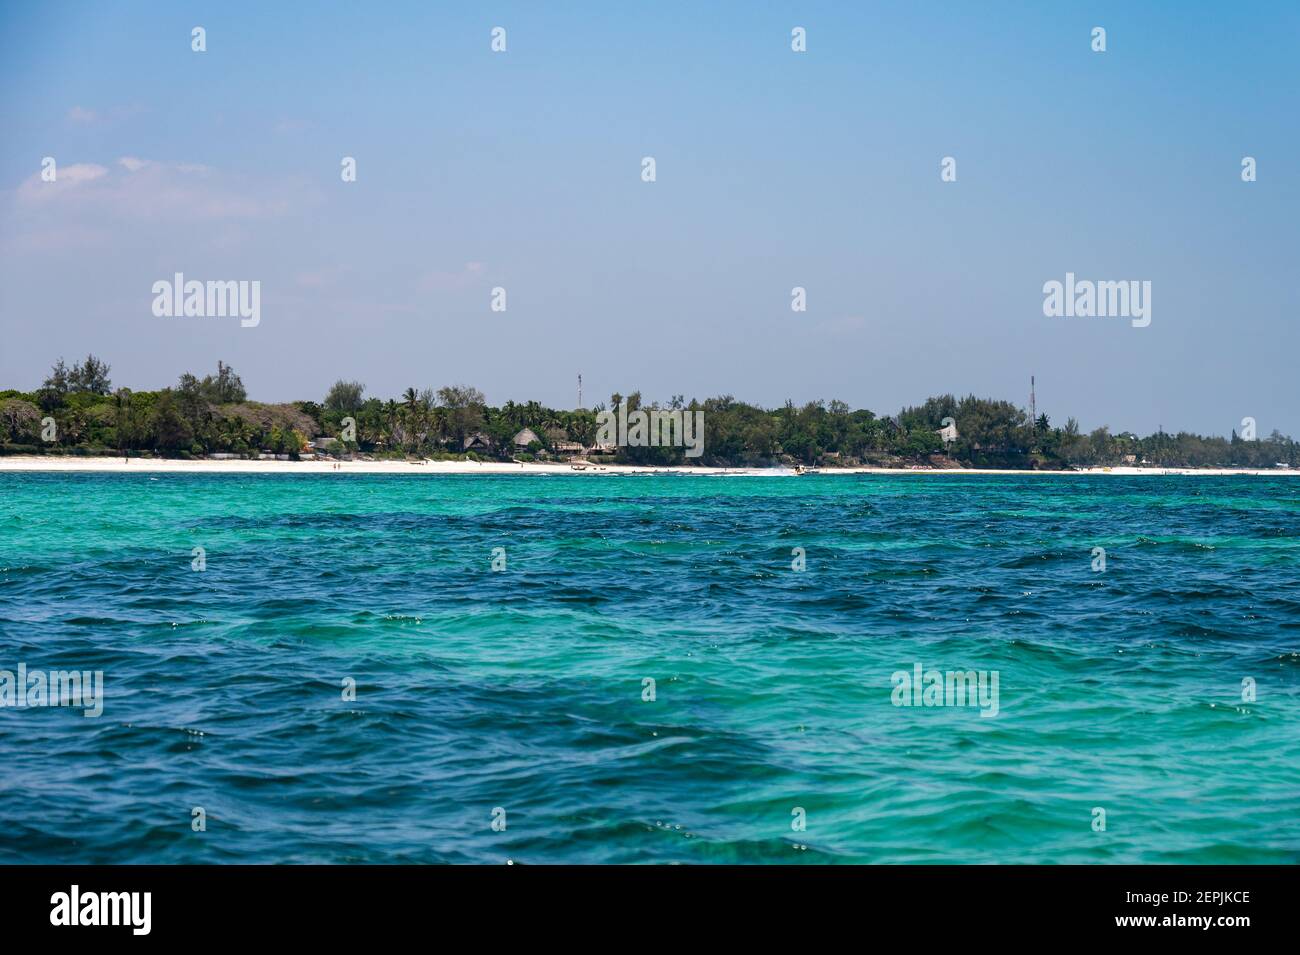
[225, 388]
[463, 406]
[345, 396]
[20, 420]
[89, 376]
[167, 426]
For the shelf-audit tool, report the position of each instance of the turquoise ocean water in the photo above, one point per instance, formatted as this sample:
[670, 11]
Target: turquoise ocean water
[522, 689]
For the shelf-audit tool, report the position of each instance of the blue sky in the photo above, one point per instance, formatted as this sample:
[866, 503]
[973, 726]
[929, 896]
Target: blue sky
[775, 170]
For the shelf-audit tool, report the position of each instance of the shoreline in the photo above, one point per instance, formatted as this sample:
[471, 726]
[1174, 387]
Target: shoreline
[37, 463]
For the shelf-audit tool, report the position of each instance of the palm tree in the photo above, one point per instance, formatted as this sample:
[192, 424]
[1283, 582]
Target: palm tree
[234, 432]
[123, 424]
[392, 424]
[411, 416]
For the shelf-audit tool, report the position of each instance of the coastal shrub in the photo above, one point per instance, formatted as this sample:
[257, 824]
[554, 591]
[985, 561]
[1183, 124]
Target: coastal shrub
[20, 420]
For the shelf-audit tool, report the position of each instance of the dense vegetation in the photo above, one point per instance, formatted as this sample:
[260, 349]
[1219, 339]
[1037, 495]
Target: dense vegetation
[213, 415]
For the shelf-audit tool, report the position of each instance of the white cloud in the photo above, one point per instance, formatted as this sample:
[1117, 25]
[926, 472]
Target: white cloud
[144, 188]
[322, 277]
[437, 280]
[67, 179]
[87, 202]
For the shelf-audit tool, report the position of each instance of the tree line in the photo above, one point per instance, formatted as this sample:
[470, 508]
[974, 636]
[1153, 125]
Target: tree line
[77, 410]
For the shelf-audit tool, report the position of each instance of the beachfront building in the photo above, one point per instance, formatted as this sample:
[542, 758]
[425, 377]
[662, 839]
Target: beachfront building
[478, 441]
[525, 437]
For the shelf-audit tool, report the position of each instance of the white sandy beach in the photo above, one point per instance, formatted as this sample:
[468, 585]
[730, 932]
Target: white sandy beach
[169, 466]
